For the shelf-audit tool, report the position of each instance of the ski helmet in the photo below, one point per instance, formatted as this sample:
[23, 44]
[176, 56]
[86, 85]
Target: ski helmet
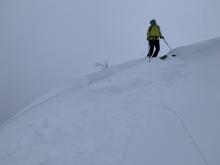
[153, 22]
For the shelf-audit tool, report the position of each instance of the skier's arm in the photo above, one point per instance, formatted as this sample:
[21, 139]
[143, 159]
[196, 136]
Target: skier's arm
[161, 36]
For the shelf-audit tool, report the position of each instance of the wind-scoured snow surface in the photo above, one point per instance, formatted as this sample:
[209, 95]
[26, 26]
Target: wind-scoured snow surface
[137, 113]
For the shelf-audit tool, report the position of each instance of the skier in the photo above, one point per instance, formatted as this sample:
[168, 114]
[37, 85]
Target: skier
[153, 37]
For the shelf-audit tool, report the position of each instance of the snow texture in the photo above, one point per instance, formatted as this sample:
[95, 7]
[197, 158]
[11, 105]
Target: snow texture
[137, 113]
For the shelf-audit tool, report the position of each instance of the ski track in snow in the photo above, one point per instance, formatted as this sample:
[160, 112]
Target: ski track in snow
[194, 143]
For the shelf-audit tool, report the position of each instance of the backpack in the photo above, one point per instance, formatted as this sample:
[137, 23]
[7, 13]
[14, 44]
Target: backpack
[158, 28]
[154, 36]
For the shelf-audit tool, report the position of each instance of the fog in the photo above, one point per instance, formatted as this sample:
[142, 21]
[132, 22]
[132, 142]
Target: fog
[46, 43]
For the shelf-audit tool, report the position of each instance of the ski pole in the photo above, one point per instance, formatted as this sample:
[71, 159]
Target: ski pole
[167, 44]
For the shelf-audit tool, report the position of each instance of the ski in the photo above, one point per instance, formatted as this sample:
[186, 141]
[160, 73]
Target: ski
[165, 56]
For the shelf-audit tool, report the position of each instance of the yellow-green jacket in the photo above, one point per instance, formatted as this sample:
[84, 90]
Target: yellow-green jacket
[153, 33]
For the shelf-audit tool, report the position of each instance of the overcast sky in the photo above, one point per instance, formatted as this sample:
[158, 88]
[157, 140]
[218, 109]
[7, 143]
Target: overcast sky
[44, 43]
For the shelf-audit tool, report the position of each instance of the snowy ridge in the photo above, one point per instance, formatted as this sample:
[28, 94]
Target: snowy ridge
[181, 51]
[92, 78]
[205, 48]
[139, 112]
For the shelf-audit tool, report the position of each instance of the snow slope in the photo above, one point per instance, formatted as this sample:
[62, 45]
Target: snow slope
[136, 113]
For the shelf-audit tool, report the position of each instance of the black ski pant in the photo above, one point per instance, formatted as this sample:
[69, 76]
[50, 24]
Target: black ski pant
[152, 44]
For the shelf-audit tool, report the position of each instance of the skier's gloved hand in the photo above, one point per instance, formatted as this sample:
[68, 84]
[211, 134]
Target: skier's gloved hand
[162, 37]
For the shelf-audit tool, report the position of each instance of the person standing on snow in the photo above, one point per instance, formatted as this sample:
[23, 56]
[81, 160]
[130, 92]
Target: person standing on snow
[153, 37]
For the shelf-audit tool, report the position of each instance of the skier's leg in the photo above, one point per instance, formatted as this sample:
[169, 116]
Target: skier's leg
[151, 50]
[157, 46]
